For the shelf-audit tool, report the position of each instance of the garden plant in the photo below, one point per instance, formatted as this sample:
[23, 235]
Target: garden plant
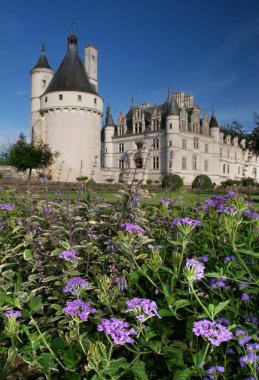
[90, 290]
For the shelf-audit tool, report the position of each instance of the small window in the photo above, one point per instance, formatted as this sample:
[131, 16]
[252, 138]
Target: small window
[171, 126]
[170, 143]
[79, 98]
[95, 101]
[43, 83]
[46, 99]
[60, 97]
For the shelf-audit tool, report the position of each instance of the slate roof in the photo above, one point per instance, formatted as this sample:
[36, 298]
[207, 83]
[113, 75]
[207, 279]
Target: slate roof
[108, 119]
[213, 122]
[71, 74]
[170, 107]
[42, 61]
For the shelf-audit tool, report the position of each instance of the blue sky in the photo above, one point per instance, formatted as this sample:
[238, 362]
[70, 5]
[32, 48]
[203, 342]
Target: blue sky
[207, 48]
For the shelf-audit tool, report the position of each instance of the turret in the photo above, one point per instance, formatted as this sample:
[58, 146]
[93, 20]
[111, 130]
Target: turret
[171, 115]
[214, 128]
[41, 75]
[109, 128]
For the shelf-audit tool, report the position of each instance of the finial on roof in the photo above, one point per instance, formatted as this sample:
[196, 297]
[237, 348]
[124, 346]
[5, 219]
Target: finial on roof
[168, 90]
[73, 27]
[43, 48]
[132, 100]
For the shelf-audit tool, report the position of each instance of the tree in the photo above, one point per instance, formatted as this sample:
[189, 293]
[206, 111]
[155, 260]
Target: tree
[27, 156]
[253, 137]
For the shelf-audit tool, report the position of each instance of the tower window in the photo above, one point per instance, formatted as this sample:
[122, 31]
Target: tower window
[60, 97]
[95, 101]
[43, 83]
[46, 99]
[79, 98]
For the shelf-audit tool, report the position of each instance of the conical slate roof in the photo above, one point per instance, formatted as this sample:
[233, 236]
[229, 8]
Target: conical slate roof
[170, 107]
[42, 61]
[213, 122]
[71, 74]
[108, 119]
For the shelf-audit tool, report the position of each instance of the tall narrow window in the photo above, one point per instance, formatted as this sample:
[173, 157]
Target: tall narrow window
[155, 163]
[121, 164]
[196, 143]
[156, 143]
[206, 148]
[194, 162]
[206, 166]
[183, 144]
[184, 163]
[121, 147]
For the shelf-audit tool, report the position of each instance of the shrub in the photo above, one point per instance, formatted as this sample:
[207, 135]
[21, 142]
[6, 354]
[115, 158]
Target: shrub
[230, 182]
[82, 178]
[172, 181]
[249, 181]
[109, 180]
[149, 182]
[202, 182]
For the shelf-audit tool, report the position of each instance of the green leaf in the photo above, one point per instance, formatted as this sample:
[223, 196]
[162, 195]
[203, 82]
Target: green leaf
[184, 374]
[35, 304]
[251, 253]
[114, 367]
[138, 370]
[46, 361]
[28, 254]
[220, 307]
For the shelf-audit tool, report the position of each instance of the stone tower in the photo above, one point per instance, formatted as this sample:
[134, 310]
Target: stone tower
[70, 113]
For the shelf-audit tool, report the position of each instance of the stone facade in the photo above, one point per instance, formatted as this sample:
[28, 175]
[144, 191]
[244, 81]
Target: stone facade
[152, 141]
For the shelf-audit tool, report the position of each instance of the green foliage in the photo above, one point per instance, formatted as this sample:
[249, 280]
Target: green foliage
[230, 182]
[172, 181]
[202, 181]
[109, 180]
[248, 181]
[149, 182]
[23, 155]
[47, 342]
[82, 178]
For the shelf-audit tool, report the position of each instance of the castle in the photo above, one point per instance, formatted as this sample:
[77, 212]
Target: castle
[147, 143]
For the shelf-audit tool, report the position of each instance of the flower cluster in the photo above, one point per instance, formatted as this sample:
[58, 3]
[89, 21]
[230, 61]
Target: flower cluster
[12, 313]
[214, 370]
[219, 283]
[188, 221]
[249, 359]
[214, 332]
[164, 201]
[143, 307]
[194, 270]
[118, 330]
[74, 284]
[7, 206]
[130, 228]
[242, 336]
[79, 308]
[251, 215]
[69, 255]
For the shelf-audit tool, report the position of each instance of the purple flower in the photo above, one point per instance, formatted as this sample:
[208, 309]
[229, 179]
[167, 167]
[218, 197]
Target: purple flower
[12, 313]
[214, 332]
[164, 201]
[69, 255]
[229, 258]
[252, 215]
[118, 330]
[74, 284]
[7, 206]
[205, 259]
[190, 222]
[242, 336]
[79, 308]
[245, 297]
[218, 283]
[130, 228]
[142, 306]
[47, 211]
[194, 270]
[216, 368]
[250, 358]
[252, 347]
[121, 283]
[223, 321]
[93, 236]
